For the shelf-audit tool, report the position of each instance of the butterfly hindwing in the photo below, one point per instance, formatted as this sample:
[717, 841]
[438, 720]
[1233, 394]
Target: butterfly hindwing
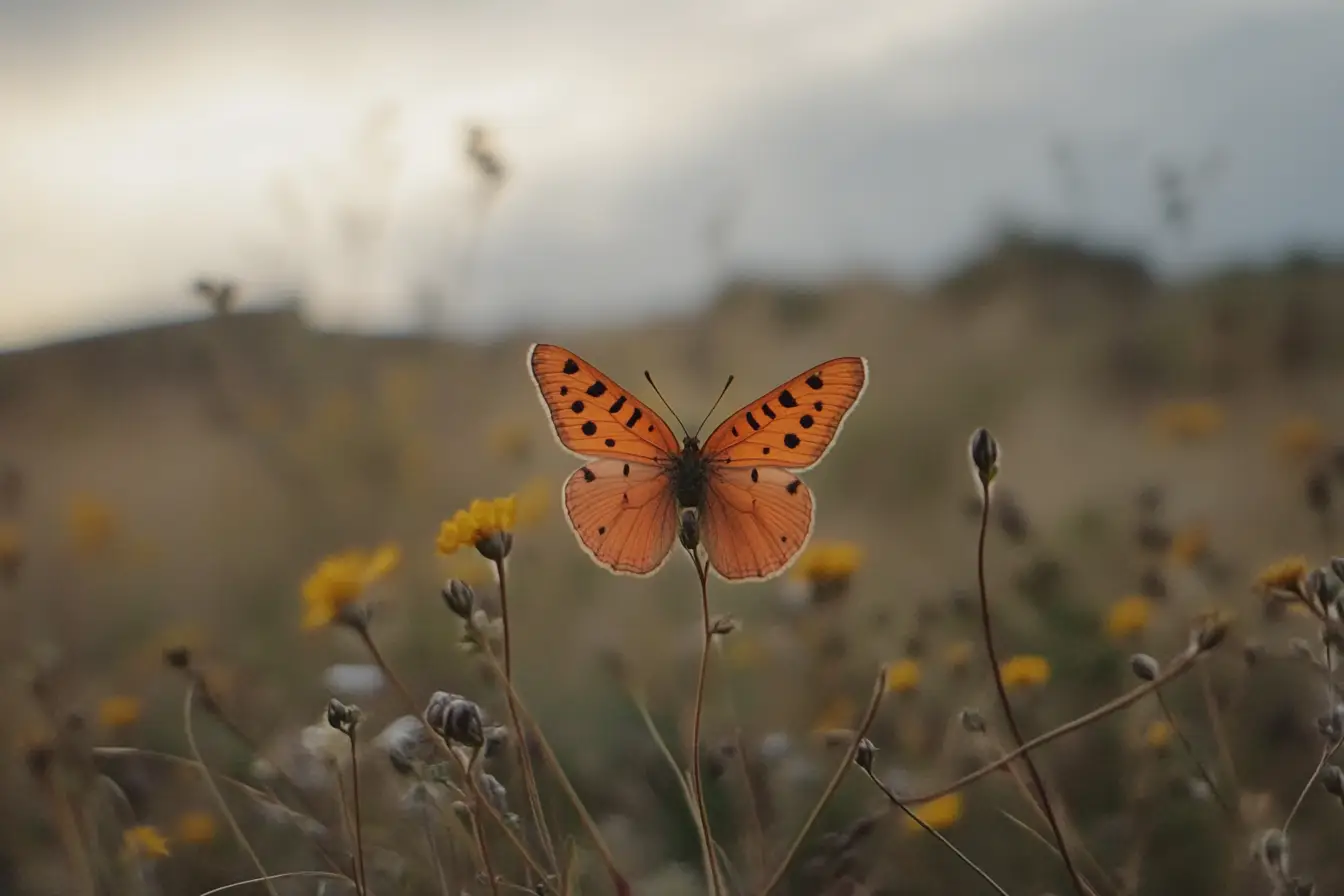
[792, 426]
[754, 521]
[624, 514]
[592, 415]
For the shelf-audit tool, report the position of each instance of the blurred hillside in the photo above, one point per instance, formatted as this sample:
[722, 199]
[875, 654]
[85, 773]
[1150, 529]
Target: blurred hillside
[187, 477]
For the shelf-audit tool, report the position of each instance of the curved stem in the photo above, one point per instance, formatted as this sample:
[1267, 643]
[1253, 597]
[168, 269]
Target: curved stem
[988, 626]
[697, 779]
[1194, 757]
[363, 886]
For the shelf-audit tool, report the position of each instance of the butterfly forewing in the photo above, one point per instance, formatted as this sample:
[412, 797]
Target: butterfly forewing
[592, 415]
[755, 520]
[624, 514]
[792, 426]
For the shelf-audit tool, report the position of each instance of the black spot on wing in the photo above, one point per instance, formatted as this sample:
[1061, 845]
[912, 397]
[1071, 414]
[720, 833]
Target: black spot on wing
[755, 476]
[765, 450]
[768, 411]
[792, 487]
[577, 407]
[610, 443]
[601, 530]
[625, 471]
[751, 421]
[783, 538]
[816, 405]
[634, 417]
[805, 421]
[588, 475]
[597, 389]
[564, 390]
[734, 432]
[791, 440]
[571, 367]
[616, 408]
[787, 400]
[650, 427]
[589, 428]
[814, 382]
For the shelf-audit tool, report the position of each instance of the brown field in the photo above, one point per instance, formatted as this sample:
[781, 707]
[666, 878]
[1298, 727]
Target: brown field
[175, 486]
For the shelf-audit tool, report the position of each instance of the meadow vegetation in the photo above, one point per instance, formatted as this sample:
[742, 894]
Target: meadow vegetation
[301, 609]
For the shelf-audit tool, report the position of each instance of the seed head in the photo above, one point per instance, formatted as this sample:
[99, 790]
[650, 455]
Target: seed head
[984, 456]
[1337, 567]
[689, 529]
[460, 598]
[1144, 667]
[1332, 779]
[342, 717]
[455, 719]
[723, 625]
[863, 758]
[971, 720]
[1211, 632]
[1271, 847]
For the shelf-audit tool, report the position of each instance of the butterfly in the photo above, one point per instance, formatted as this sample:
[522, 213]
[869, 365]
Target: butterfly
[754, 514]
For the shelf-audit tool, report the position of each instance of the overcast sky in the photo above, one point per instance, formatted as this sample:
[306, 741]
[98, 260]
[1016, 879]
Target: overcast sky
[317, 146]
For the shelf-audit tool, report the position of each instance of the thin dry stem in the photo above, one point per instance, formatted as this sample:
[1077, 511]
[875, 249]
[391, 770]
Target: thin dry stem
[865, 722]
[214, 791]
[1326, 754]
[359, 829]
[1007, 705]
[286, 875]
[1194, 757]
[697, 774]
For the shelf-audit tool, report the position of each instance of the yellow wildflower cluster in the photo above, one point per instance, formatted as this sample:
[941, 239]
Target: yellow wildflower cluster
[93, 525]
[196, 827]
[341, 579]
[828, 561]
[1025, 671]
[1299, 439]
[1157, 735]
[1283, 575]
[118, 712]
[479, 521]
[938, 814]
[145, 842]
[1187, 421]
[1129, 616]
[1189, 545]
[903, 677]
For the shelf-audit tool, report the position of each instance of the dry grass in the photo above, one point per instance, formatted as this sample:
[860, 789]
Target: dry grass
[178, 486]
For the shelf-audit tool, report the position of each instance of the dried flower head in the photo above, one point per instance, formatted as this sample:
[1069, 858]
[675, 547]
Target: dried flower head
[1144, 667]
[456, 719]
[344, 718]
[484, 525]
[984, 452]
[1284, 575]
[1332, 779]
[460, 598]
[332, 593]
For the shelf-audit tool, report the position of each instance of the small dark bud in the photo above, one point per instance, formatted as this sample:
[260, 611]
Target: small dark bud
[1144, 667]
[867, 752]
[984, 456]
[690, 529]
[456, 719]
[40, 759]
[177, 657]
[971, 720]
[341, 717]
[496, 546]
[723, 625]
[1331, 725]
[460, 598]
[1272, 850]
[1210, 634]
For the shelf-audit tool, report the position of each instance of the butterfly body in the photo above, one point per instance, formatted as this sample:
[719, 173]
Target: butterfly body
[754, 513]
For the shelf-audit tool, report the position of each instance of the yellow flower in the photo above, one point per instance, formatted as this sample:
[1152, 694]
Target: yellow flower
[479, 521]
[341, 579]
[145, 842]
[1299, 439]
[903, 677]
[1283, 575]
[1157, 735]
[1187, 421]
[938, 814]
[196, 827]
[118, 712]
[1129, 616]
[828, 561]
[1025, 671]
[93, 526]
[958, 655]
[836, 715]
[1189, 545]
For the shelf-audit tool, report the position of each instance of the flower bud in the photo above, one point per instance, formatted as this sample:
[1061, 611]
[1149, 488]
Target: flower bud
[984, 456]
[1337, 567]
[1332, 779]
[865, 754]
[1144, 667]
[689, 529]
[460, 598]
[971, 720]
[342, 717]
[455, 719]
[496, 546]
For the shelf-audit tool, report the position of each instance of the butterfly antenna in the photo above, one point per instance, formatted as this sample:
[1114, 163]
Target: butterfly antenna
[713, 406]
[648, 377]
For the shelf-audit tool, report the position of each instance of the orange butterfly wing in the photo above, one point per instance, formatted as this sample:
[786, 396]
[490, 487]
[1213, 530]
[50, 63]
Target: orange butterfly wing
[594, 417]
[624, 513]
[755, 520]
[793, 426]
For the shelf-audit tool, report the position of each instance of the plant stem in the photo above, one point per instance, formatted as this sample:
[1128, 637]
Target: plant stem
[697, 780]
[1194, 757]
[988, 626]
[363, 880]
